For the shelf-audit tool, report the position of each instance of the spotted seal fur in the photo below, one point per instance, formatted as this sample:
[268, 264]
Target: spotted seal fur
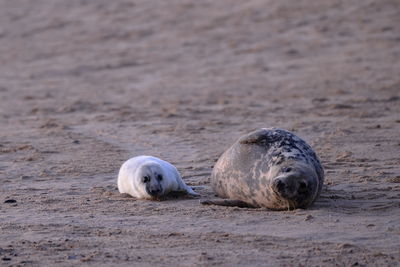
[271, 168]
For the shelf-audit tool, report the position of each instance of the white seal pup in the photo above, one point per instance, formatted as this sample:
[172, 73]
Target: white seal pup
[148, 177]
[270, 168]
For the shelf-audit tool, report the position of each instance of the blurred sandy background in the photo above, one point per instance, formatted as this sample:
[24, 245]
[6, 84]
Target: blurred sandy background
[84, 85]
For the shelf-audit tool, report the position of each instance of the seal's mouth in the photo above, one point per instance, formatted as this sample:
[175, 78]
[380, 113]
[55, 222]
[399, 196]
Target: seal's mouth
[293, 190]
[154, 191]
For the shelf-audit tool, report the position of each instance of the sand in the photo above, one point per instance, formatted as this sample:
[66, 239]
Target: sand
[84, 85]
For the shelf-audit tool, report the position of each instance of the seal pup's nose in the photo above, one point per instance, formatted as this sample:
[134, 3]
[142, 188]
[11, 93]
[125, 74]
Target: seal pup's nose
[154, 191]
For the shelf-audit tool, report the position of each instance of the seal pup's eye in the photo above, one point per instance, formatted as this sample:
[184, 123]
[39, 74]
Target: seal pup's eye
[159, 177]
[146, 179]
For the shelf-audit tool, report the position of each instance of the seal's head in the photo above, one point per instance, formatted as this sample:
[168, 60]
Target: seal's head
[295, 185]
[150, 180]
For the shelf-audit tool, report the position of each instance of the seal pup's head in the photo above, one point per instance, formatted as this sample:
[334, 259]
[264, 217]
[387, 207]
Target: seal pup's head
[295, 185]
[150, 180]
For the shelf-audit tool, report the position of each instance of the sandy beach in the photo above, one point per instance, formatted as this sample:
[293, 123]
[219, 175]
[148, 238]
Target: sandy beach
[85, 85]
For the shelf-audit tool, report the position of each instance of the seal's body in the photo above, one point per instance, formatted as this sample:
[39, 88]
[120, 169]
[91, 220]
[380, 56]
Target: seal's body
[269, 168]
[148, 177]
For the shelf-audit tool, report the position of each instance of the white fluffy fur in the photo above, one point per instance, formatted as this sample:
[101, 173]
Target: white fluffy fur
[132, 171]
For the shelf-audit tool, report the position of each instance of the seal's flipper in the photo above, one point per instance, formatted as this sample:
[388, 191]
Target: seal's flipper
[185, 188]
[227, 202]
[191, 192]
[257, 137]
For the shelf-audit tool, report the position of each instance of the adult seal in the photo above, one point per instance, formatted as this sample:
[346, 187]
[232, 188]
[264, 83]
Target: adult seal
[147, 177]
[270, 168]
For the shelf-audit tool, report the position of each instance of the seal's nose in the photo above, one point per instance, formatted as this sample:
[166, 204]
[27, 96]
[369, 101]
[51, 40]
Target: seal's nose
[155, 191]
[280, 186]
[302, 189]
[290, 186]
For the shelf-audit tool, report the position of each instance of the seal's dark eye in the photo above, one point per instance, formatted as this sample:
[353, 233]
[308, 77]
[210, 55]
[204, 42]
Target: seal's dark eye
[146, 179]
[287, 169]
[159, 177]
